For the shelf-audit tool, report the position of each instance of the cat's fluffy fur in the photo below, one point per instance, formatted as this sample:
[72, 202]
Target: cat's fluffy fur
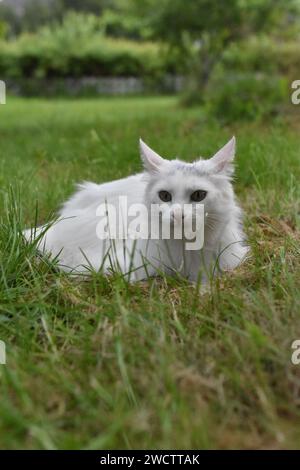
[73, 240]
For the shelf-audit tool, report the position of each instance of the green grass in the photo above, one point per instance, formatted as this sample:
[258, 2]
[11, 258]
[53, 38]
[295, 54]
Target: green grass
[103, 364]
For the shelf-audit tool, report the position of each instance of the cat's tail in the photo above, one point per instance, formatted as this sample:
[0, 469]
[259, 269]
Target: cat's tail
[86, 194]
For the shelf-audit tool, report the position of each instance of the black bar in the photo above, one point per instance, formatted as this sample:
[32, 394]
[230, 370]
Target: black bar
[134, 459]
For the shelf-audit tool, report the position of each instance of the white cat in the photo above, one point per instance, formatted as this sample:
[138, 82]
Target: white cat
[74, 239]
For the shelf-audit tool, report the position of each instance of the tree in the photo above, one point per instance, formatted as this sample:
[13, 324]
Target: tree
[9, 18]
[202, 29]
[92, 6]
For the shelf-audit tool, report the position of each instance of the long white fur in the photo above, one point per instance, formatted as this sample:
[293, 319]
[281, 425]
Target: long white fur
[73, 240]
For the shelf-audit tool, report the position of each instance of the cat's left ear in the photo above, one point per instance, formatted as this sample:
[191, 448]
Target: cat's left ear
[223, 159]
[153, 162]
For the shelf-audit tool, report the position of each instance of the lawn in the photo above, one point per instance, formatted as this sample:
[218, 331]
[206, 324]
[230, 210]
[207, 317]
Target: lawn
[103, 364]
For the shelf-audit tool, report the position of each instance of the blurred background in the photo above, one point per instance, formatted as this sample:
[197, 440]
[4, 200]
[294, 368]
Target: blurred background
[238, 58]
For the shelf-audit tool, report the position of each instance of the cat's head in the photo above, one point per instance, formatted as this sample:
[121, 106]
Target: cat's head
[174, 184]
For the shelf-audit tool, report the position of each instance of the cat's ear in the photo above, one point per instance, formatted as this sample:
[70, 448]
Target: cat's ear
[152, 162]
[222, 160]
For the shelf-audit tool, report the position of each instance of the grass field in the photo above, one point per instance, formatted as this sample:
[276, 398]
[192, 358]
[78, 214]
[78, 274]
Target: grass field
[103, 364]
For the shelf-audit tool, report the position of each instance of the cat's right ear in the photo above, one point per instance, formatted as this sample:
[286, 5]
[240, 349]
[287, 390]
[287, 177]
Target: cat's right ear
[222, 161]
[152, 162]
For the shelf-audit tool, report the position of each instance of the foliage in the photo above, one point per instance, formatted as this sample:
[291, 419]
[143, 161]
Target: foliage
[252, 79]
[264, 54]
[236, 96]
[78, 47]
[214, 25]
[36, 13]
[122, 25]
[203, 30]
[3, 29]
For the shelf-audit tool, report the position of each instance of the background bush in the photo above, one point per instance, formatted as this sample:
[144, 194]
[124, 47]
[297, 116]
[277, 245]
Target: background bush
[253, 79]
[245, 95]
[77, 48]
[265, 55]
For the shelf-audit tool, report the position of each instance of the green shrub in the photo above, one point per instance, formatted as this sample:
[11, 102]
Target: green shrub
[265, 55]
[77, 48]
[252, 80]
[245, 96]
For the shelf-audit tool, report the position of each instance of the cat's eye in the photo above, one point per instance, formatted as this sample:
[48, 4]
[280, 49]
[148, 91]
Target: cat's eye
[198, 195]
[165, 196]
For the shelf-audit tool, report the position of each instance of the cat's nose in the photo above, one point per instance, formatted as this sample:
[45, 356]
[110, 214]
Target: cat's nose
[178, 215]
